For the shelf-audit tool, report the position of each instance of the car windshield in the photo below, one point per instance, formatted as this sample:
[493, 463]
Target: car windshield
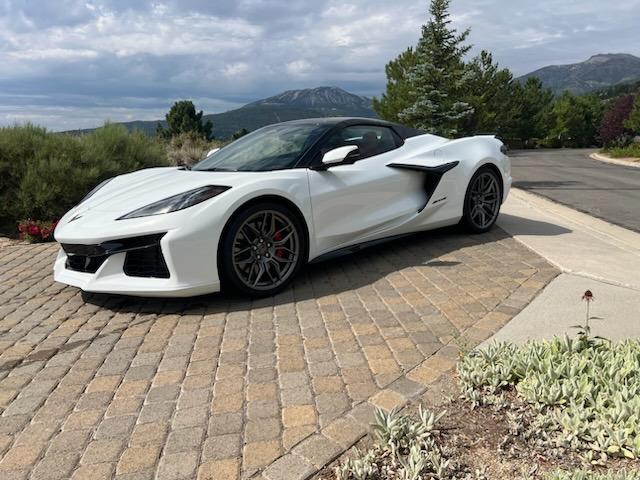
[276, 147]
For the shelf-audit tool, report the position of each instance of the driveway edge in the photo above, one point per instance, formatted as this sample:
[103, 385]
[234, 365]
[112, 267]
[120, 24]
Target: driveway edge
[615, 161]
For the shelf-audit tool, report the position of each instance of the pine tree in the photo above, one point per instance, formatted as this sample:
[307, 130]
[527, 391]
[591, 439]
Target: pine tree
[491, 91]
[398, 94]
[183, 118]
[437, 81]
[534, 102]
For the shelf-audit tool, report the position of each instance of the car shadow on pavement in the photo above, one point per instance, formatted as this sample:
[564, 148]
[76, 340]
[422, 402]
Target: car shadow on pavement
[338, 275]
[526, 226]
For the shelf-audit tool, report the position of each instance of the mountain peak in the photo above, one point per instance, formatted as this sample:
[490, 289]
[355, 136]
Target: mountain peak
[598, 71]
[606, 57]
[326, 97]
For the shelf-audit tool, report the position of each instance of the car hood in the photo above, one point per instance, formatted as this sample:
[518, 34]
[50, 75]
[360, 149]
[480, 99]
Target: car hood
[126, 193]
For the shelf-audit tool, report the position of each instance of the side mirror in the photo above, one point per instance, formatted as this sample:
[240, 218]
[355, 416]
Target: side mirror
[338, 155]
[212, 151]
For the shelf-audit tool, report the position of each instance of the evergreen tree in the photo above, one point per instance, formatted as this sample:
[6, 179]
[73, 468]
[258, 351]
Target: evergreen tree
[574, 120]
[491, 92]
[437, 81]
[183, 118]
[533, 102]
[239, 133]
[398, 93]
[633, 122]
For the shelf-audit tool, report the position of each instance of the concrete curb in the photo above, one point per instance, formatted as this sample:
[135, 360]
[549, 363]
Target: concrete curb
[614, 161]
[601, 251]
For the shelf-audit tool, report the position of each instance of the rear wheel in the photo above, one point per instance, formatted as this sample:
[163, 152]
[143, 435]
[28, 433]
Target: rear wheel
[263, 249]
[482, 201]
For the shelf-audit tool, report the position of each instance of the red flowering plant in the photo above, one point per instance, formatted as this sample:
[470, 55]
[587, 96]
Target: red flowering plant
[35, 231]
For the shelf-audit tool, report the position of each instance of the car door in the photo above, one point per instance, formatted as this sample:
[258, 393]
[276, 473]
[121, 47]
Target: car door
[364, 200]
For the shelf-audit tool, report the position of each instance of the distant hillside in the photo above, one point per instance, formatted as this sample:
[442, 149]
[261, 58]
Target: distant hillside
[598, 72]
[289, 105]
[632, 88]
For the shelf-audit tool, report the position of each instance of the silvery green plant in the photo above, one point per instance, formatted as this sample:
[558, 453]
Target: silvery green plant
[582, 475]
[584, 392]
[405, 449]
[360, 467]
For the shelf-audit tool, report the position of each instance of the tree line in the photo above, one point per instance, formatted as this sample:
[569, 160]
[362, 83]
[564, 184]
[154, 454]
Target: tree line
[433, 87]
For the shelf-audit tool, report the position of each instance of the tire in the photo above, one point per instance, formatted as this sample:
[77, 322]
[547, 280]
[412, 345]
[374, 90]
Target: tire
[263, 249]
[482, 201]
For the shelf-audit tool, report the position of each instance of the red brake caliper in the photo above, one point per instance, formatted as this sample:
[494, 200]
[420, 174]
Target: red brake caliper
[279, 251]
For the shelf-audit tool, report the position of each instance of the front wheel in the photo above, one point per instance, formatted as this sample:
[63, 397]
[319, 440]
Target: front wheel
[262, 249]
[482, 201]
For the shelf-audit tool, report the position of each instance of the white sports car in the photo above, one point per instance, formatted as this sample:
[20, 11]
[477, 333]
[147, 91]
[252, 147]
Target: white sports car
[250, 215]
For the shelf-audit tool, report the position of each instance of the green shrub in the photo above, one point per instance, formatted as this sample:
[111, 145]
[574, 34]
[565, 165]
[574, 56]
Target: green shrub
[584, 393]
[43, 174]
[188, 148]
[632, 150]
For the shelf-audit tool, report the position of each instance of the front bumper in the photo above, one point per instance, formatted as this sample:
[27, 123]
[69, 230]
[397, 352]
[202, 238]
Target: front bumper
[175, 263]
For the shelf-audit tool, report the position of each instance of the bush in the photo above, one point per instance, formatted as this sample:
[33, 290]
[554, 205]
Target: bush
[583, 394]
[43, 174]
[630, 151]
[612, 128]
[188, 149]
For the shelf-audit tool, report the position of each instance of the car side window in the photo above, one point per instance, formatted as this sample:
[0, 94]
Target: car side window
[370, 139]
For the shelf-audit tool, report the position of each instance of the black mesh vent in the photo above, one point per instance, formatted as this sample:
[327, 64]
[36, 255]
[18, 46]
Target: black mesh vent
[143, 259]
[146, 262]
[82, 263]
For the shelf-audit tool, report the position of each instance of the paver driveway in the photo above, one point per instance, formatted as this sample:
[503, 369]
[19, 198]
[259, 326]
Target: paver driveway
[214, 387]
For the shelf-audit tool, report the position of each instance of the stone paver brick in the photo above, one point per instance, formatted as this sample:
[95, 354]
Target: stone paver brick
[318, 450]
[101, 471]
[99, 451]
[344, 431]
[260, 454]
[97, 385]
[138, 459]
[289, 467]
[174, 466]
[219, 470]
[388, 400]
[297, 415]
[21, 457]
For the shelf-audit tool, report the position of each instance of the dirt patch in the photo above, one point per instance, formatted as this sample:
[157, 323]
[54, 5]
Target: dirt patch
[479, 441]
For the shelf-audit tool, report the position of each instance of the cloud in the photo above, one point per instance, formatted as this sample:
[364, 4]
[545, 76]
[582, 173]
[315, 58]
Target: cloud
[75, 63]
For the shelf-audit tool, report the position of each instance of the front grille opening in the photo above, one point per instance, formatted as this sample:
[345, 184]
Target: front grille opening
[84, 264]
[146, 262]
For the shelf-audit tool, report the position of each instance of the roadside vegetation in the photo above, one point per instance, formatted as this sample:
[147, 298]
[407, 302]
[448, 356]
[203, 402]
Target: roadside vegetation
[43, 174]
[434, 86]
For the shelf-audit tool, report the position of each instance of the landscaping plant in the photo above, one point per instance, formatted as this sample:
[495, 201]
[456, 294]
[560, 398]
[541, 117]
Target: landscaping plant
[34, 231]
[580, 394]
[623, 475]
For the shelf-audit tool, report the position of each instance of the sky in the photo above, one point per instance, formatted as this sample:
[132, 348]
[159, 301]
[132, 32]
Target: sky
[68, 64]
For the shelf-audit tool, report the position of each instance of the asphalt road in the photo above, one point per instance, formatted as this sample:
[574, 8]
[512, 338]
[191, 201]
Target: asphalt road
[610, 192]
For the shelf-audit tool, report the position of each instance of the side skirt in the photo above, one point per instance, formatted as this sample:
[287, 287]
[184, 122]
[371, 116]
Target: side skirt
[357, 247]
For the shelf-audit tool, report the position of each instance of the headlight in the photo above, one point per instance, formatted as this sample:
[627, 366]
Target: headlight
[95, 189]
[177, 202]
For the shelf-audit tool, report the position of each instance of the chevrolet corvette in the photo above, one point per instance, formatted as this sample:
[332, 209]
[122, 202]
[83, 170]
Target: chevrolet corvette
[251, 214]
